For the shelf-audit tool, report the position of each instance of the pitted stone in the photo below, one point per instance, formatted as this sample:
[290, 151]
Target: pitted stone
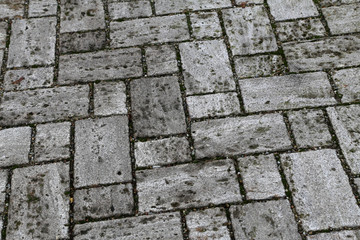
[1, 57]
[161, 60]
[10, 9]
[205, 25]
[240, 2]
[172, 6]
[24, 79]
[110, 98]
[343, 19]
[3, 182]
[40, 8]
[342, 235]
[292, 9]
[300, 29]
[120, 9]
[327, 3]
[82, 41]
[3, 32]
[348, 84]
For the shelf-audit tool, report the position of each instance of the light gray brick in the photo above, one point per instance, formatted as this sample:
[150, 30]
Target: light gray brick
[205, 25]
[82, 41]
[153, 30]
[39, 207]
[286, 92]
[28, 78]
[261, 177]
[239, 2]
[292, 9]
[13, 8]
[206, 67]
[110, 98]
[40, 8]
[348, 84]
[327, 3]
[32, 42]
[14, 146]
[119, 9]
[321, 190]
[44, 105]
[233, 136]
[240, 24]
[3, 182]
[3, 30]
[162, 152]
[102, 151]
[271, 220]
[161, 226]
[103, 201]
[161, 60]
[342, 235]
[171, 6]
[185, 186]
[343, 19]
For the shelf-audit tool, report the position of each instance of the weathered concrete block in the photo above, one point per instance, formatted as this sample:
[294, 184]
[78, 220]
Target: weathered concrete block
[171, 6]
[40, 8]
[300, 29]
[292, 9]
[3, 30]
[82, 41]
[3, 182]
[343, 19]
[345, 234]
[110, 98]
[161, 60]
[348, 83]
[13, 8]
[205, 25]
[327, 3]
[24, 79]
[119, 9]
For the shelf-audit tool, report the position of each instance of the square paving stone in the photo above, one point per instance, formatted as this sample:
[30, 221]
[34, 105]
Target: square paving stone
[342, 235]
[32, 42]
[242, 135]
[119, 9]
[3, 30]
[205, 24]
[171, 6]
[321, 190]
[286, 92]
[52, 141]
[102, 151]
[348, 83]
[261, 177]
[153, 30]
[103, 201]
[188, 185]
[162, 152]
[39, 206]
[240, 25]
[310, 128]
[44, 105]
[291, 9]
[343, 19]
[9, 9]
[40, 8]
[164, 226]
[161, 59]
[206, 67]
[208, 224]
[3, 182]
[157, 106]
[300, 29]
[24, 79]
[81, 15]
[102, 65]
[82, 41]
[14, 146]
[110, 98]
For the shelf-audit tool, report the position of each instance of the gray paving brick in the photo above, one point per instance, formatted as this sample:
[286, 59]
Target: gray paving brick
[3, 29]
[357, 182]
[11, 8]
[326, 3]
[346, 126]
[32, 42]
[161, 226]
[83, 41]
[291, 9]
[309, 128]
[205, 25]
[43, 105]
[1, 57]
[348, 84]
[300, 29]
[232, 136]
[206, 67]
[189, 185]
[153, 30]
[52, 141]
[28, 78]
[39, 8]
[110, 98]
[39, 207]
[103, 201]
[104, 65]
[261, 177]
[342, 235]
[81, 15]
[264, 220]
[239, 2]
[240, 24]
[119, 9]
[321, 191]
[171, 6]
[102, 151]
[342, 51]
[3, 182]
[211, 105]
[161, 60]
[258, 66]
[343, 19]
[208, 224]
[285, 92]
[162, 152]
[14, 146]
[157, 106]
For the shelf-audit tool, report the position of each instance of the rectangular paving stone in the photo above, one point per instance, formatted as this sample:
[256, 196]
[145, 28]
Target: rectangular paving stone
[261, 177]
[82, 41]
[44, 105]
[292, 9]
[3, 30]
[24, 79]
[103, 201]
[205, 24]
[345, 234]
[186, 186]
[171, 6]
[348, 84]
[239, 2]
[119, 9]
[321, 190]
[335, 52]
[81, 15]
[271, 220]
[327, 3]
[208, 224]
[9, 9]
[286, 92]
[157, 107]
[40, 8]
[211, 105]
[102, 151]
[249, 30]
[206, 67]
[1, 57]
[52, 141]
[32, 42]
[346, 125]
[153, 30]
[242, 135]
[39, 207]
[3, 182]
[343, 19]
[162, 152]
[110, 98]
[161, 226]
[161, 60]
[102, 65]
[14, 146]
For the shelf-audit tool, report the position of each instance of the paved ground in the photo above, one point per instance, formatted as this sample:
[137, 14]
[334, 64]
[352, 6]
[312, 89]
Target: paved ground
[180, 119]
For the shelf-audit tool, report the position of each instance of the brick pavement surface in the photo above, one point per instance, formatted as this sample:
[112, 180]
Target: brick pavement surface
[180, 119]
